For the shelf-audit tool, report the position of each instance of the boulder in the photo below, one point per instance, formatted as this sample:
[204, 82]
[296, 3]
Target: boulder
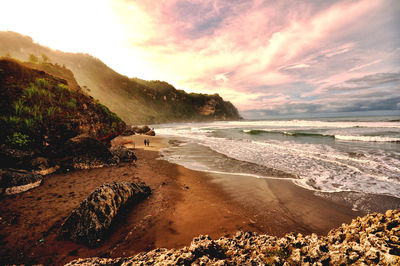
[124, 154]
[90, 222]
[83, 152]
[15, 181]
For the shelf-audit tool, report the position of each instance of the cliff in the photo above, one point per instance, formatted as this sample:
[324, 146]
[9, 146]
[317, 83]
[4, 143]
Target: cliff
[134, 100]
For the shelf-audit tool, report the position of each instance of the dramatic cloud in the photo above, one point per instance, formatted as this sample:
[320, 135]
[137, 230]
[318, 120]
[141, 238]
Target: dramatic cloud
[267, 57]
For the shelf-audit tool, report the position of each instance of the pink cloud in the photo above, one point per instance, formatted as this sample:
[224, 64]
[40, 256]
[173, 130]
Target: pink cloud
[194, 44]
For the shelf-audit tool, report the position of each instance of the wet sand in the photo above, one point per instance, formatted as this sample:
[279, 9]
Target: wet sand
[184, 204]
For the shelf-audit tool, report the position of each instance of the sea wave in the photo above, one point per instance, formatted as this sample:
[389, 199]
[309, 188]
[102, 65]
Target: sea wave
[338, 137]
[311, 124]
[368, 138]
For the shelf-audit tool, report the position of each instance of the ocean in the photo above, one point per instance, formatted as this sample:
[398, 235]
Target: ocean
[360, 154]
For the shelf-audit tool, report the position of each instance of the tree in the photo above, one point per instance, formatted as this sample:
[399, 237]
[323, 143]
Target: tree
[33, 58]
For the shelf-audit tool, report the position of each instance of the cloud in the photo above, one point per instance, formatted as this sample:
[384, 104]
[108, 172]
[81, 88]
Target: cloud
[296, 66]
[380, 91]
[365, 65]
[272, 55]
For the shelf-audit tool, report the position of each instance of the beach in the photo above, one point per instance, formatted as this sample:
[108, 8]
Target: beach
[184, 204]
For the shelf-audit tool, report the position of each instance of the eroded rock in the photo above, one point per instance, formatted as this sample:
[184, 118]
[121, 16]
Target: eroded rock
[15, 181]
[246, 248]
[124, 154]
[85, 152]
[90, 222]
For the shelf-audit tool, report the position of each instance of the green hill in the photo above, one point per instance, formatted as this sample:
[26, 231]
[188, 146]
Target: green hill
[40, 111]
[136, 101]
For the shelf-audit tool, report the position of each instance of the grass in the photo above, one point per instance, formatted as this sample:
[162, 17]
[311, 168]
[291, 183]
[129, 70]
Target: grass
[46, 107]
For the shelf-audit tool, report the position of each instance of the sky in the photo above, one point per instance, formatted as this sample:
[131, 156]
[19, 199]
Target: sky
[269, 58]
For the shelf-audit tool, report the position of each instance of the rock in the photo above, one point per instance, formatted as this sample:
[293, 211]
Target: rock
[13, 158]
[84, 152]
[204, 245]
[124, 154]
[140, 130]
[246, 248]
[150, 133]
[15, 181]
[128, 132]
[90, 222]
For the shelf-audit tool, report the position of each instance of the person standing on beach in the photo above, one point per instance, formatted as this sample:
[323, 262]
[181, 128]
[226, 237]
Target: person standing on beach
[145, 142]
[148, 142]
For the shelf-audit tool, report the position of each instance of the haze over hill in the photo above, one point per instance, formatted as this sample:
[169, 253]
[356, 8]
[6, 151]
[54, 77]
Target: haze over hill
[134, 100]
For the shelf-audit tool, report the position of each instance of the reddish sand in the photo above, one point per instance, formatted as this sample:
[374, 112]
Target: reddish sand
[184, 204]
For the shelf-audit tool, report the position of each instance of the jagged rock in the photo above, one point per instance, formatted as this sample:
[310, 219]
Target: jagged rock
[90, 222]
[15, 181]
[86, 152]
[247, 248]
[124, 154]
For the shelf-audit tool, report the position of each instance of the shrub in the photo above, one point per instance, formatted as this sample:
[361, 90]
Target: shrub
[42, 83]
[33, 58]
[18, 140]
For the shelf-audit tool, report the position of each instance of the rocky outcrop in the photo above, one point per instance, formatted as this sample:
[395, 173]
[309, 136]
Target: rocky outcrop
[140, 130]
[91, 221]
[84, 152]
[124, 154]
[15, 181]
[372, 239]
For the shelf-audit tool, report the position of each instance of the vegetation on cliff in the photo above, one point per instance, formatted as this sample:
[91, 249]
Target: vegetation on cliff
[40, 110]
[134, 100]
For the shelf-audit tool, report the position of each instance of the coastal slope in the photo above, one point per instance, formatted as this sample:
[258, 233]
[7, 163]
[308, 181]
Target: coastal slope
[136, 101]
[41, 112]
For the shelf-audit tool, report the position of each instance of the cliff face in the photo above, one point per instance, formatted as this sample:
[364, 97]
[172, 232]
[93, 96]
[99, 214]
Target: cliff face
[134, 100]
[40, 111]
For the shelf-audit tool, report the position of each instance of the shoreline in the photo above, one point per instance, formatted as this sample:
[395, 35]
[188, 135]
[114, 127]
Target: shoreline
[184, 204]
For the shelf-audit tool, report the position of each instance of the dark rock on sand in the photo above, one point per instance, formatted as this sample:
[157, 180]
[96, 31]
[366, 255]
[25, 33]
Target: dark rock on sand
[15, 181]
[83, 152]
[372, 239]
[124, 154]
[91, 221]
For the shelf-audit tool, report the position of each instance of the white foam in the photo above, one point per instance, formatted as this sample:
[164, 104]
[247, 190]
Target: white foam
[367, 138]
[320, 166]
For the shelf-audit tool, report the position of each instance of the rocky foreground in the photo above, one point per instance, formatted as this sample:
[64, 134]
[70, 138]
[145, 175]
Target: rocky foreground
[372, 239]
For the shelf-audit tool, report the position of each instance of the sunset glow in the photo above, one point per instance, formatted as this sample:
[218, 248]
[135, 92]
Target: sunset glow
[267, 57]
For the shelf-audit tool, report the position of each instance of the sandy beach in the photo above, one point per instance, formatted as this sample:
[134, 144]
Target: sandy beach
[184, 204]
